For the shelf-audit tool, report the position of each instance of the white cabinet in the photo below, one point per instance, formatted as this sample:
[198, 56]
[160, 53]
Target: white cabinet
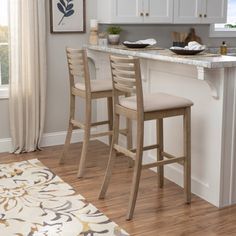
[135, 11]
[158, 11]
[215, 11]
[187, 11]
[162, 11]
[200, 11]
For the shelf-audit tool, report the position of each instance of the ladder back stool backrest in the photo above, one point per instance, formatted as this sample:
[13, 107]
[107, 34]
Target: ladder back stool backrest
[126, 78]
[78, 67]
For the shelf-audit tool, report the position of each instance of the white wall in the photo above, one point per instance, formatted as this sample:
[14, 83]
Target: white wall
[57, 84]
[4, 119]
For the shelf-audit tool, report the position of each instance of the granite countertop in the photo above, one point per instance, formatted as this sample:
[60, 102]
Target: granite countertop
[205, 60]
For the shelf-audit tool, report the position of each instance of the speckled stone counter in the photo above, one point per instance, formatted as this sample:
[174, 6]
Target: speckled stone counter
[201, 60]
[210, 82]
[231, 51]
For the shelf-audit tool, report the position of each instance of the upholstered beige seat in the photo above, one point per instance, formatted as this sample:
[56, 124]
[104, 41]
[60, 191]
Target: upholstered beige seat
[96, 85]
[156, 102]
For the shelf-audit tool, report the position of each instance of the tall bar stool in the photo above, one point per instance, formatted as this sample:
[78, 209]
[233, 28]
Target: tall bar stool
[126, 77]
[88, 90]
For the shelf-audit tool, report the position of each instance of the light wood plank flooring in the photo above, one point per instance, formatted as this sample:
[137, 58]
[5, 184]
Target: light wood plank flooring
[158, 211]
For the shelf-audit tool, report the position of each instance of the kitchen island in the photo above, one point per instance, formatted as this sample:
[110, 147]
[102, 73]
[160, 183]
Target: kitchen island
[210, 82]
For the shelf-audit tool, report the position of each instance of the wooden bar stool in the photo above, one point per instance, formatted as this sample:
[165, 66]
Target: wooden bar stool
[88, 90]
[126, 77]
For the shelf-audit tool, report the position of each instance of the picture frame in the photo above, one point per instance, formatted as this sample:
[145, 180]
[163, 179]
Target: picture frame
[67, 16]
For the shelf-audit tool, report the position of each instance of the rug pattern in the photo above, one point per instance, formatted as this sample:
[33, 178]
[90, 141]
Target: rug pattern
[36, 202]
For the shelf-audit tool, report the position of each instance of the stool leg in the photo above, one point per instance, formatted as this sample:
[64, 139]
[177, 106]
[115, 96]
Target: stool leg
[137, 171]
[129, 136]
[112, 157]
[86, 139]
[160, 169]
[187, 154]
[129, 140]
[69, 131]
[110, 116]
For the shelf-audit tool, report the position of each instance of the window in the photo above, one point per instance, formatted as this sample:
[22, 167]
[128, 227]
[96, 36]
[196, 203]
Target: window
[228, 29]
[4, 57]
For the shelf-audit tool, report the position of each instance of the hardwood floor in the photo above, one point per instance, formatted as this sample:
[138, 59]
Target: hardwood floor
[157, 212]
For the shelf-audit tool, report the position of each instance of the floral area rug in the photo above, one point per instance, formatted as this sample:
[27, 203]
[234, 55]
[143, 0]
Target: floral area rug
[36, 202]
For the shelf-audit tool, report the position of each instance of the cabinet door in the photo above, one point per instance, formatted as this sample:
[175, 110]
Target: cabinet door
[187, 11]
[158, 11]
[124, 11]
[214, 11]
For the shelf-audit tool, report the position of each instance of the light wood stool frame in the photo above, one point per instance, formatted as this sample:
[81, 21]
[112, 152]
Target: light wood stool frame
[78, 67]
[126, 76]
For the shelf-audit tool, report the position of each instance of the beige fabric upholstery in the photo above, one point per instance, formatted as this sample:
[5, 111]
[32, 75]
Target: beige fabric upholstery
[156, 102]
[96, 85]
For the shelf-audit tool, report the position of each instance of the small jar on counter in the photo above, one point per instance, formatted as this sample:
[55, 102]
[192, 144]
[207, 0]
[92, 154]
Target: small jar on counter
[102, 39]
[223, 48]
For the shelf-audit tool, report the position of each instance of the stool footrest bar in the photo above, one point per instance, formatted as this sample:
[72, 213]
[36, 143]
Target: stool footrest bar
[95, 135]
[105, 122]
[77, 124]
[167, 155]
[163, 162]
[150, 147]
[123, 131]
[125, 151]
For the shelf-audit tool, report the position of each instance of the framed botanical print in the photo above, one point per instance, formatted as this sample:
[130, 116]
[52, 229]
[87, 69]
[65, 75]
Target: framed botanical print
[67, 16]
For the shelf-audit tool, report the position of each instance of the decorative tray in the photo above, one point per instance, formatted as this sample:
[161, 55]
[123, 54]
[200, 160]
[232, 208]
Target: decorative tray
[136, 45]
[186, 52]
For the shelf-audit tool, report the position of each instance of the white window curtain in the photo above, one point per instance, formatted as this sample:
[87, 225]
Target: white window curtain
[27, 73]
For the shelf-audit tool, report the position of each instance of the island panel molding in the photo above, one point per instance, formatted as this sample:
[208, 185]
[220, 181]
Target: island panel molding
[213, 120]
[228, 171]
[210, 77]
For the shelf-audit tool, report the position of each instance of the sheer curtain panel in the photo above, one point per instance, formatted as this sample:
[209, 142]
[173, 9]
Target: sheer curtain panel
[27, 73]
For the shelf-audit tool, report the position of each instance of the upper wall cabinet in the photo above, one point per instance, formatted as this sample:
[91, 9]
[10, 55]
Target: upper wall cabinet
[215, 11]
[200, 11]
[158, 11]
[135, 11]
[162, 11]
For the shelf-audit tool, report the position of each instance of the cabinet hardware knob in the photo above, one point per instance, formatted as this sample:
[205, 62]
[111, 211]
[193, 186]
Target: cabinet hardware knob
[200, 15]
[205, 15]
[147, 14]
[141, 14]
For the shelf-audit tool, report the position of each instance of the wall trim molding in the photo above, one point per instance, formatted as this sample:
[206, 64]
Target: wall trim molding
[5, 145]
[48, 139]
[58, 138]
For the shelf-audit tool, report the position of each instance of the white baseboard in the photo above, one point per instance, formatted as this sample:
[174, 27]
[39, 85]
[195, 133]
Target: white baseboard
[5, 145]
[48, 139]
[58, 138]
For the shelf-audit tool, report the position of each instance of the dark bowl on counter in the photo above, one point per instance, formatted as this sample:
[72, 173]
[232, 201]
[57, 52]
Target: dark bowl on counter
[133, 45]
[186, 52]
